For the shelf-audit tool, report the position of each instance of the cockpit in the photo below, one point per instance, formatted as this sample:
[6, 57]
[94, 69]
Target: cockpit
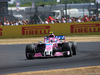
[51, 35]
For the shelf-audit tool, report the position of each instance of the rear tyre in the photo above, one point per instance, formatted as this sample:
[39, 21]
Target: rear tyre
[67, 48]
[30, 51]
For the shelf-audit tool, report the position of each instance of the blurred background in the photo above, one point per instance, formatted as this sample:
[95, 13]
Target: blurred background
[30, 9]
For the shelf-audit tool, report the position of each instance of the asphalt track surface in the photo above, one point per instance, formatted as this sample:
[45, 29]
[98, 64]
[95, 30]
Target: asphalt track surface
[13, 60]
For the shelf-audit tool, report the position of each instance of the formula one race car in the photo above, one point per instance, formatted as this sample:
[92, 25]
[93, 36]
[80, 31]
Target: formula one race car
[52, 46]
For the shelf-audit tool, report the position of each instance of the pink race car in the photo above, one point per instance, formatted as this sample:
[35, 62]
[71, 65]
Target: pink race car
[52, 46]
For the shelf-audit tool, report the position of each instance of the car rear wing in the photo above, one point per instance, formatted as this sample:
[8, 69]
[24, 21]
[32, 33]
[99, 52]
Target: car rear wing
[61, 37]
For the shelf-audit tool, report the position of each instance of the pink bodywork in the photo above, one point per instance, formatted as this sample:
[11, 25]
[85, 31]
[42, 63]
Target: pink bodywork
[50, 45]
[40, 55]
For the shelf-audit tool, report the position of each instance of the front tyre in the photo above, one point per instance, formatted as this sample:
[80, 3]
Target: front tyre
[67, 50]
[30, 51]
[74, 45]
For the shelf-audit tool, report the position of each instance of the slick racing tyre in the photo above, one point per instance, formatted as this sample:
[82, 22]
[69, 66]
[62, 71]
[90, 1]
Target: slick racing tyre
[30, 51]
[73, 46]
[67, 50]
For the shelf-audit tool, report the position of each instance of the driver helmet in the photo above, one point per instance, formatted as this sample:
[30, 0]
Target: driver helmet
[51, 34]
